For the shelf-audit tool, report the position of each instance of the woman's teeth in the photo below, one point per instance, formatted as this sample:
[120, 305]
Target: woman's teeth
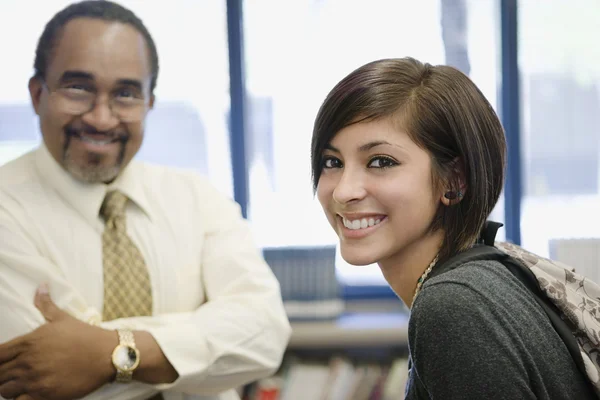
[360, 223]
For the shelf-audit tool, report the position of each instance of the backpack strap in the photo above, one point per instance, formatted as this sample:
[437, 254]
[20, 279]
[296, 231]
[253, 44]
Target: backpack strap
[488, 233]
[484, 251]
[528, 279]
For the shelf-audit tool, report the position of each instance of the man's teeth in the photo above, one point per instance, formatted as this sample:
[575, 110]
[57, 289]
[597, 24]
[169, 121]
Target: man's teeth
[360, 223]
[96, 142]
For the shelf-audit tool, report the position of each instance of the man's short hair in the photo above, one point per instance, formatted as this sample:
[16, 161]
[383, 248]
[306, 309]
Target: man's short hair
[96, 9]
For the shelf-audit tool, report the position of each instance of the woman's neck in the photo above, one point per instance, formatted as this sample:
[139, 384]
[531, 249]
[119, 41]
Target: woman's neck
[403, 270]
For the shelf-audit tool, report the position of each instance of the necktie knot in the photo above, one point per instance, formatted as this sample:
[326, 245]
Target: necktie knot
[113, 206]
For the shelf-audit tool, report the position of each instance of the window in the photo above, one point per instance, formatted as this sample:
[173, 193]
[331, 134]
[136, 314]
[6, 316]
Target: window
[188, 126]
[296, 55]
[559, 62]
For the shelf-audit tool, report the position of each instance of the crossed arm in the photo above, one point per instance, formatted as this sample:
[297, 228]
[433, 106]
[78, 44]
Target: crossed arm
[53, 361]
[48, 351]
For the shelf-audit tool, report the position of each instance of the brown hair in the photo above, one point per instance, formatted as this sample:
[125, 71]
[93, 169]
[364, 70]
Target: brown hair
[445, 114]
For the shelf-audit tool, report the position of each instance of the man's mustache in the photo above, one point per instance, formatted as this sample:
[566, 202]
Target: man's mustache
[79, 132]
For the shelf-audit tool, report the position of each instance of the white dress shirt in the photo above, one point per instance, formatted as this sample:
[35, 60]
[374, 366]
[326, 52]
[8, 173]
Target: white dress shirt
[218, 314]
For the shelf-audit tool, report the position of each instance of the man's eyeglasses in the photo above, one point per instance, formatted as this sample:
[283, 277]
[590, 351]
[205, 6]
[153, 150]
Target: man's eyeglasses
[125, 104]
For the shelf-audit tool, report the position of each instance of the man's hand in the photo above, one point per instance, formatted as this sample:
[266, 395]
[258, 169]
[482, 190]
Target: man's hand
[63, 359]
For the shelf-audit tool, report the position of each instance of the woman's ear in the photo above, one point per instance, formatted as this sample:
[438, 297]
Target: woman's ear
[455, 187]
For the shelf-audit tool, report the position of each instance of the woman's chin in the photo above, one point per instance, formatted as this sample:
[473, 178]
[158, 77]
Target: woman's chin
[354, 258]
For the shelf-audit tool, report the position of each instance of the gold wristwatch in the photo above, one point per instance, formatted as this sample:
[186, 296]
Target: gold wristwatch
[125, 357]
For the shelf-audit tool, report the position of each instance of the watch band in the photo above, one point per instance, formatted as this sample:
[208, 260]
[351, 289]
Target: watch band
[126, 339]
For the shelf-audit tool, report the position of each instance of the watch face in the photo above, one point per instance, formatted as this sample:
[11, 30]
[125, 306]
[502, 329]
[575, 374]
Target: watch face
[125, 357]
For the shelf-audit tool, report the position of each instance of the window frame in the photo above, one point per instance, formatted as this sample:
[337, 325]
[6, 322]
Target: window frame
[509, 93]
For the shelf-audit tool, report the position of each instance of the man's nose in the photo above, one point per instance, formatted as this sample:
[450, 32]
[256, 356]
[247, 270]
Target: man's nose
[101, 115]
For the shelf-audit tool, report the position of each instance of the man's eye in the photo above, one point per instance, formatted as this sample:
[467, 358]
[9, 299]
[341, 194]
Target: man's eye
[332, 162]
[77, 87]
[126, 93]
[382, 162]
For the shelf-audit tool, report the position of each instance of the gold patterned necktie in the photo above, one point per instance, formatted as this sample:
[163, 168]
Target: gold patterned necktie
[127, 289]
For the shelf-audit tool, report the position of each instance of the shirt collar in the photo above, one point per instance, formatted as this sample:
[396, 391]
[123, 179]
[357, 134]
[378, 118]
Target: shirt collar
[87, 198]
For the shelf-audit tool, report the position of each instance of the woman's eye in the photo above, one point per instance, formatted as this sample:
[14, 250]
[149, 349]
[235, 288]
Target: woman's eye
[382, 162]
[332, 162]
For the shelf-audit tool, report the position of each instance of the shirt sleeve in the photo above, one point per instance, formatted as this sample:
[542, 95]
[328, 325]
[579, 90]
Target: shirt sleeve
[242, 331]
[22, 270]
[460, 351]
[237, 336]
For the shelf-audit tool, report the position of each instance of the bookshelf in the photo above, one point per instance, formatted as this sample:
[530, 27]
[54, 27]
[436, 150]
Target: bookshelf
[361, 329]
[360, 355]
[340, 348]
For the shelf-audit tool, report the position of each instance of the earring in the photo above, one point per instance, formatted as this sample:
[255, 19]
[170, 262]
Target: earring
[450, 195]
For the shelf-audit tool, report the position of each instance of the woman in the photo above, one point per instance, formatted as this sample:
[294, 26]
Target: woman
[408, 162]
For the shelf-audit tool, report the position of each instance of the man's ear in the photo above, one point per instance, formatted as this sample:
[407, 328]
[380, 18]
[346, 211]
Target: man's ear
[151, 102]
[35, 92]
[455, 187]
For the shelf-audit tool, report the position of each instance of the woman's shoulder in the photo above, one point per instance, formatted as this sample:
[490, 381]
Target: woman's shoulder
[471, 293]
[474, 278]
[478, 322]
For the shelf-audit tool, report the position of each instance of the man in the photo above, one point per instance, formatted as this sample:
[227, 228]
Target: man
[120, 280]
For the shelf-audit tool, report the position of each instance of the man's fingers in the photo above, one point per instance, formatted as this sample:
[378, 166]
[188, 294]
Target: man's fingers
[44, 303]
[10, 350]
[8, 371]
[11, 390]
